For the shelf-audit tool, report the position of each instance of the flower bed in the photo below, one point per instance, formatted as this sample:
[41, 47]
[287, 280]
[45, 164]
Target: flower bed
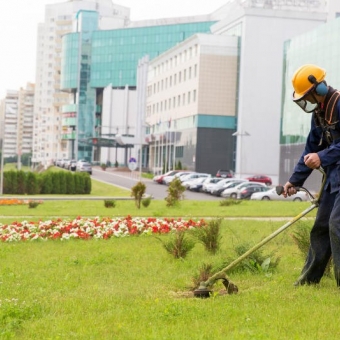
[99, 228]
[11, 201]
[14, 201]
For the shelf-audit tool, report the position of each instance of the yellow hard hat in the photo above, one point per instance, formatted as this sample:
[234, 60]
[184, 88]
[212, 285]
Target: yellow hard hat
[306, 78]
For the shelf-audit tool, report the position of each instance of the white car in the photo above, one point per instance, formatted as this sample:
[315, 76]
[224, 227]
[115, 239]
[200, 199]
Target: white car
[209, 182]
[229, 184]
[215, 188]
[232, 192]
[197, 184]
[192, 176]
[167, 179]
[272, 195]
[188, 182]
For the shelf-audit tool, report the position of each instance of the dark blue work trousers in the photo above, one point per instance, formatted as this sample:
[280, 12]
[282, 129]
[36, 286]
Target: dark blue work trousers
[324, 241]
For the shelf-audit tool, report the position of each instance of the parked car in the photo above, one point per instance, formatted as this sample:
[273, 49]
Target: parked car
[73, 165]
[193, 175]
[232, 192]
[197, 184]
[209, 182]
[84, 167]
[66, 163]
[272, 195]
[217, 191]
[59, 162]
[189, 179]
[248, 191]
[224, 173]
[261, 179]
[159, 178]
[167, 179]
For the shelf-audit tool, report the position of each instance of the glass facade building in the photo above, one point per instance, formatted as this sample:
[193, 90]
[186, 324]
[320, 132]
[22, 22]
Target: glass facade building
[93, 59]
[321, 47]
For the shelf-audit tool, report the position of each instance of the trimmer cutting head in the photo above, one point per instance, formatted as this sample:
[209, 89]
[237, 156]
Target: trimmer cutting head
[204, 292]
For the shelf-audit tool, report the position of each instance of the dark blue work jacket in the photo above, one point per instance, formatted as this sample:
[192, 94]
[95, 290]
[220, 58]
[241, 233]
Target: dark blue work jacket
[329, 154]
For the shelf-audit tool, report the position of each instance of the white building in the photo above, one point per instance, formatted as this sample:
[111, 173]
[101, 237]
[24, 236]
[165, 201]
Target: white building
[191, 104]
[263, 27]
[10, 142]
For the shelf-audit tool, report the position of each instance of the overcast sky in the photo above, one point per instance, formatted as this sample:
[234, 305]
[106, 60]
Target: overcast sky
[18, 33]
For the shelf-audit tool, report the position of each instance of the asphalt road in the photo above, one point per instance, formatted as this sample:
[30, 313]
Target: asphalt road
[127, 179]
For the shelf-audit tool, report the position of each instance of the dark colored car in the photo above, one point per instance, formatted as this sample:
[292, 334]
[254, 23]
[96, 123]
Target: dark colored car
[261, 179]
[248, 191]
[224, 174]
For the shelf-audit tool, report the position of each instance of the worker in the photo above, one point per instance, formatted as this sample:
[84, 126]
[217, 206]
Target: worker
[322, 148]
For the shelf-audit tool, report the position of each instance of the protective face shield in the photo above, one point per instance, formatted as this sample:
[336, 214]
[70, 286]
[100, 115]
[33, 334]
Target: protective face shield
[308, 82]
[308, 102]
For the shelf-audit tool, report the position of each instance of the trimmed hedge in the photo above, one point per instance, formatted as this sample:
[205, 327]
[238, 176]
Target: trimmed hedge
[61, 182]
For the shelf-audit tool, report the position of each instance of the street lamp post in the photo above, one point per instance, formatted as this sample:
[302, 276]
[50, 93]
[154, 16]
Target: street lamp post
[239, 159]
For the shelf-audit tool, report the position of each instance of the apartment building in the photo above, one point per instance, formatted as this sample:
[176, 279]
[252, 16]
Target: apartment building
[60, 19]
[11, 123]
[25, 119]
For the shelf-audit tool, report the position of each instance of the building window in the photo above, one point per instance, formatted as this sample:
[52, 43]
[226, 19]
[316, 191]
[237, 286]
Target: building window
[179, 151]
[194, 94]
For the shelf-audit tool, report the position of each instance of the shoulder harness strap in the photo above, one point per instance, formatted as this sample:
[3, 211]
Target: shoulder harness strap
[329, 117]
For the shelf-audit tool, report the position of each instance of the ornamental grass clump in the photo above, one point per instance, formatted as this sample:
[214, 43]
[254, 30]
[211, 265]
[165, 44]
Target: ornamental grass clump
[178, 245]
[204, 273]
[301, 238]
[209, 235]
[258, 261]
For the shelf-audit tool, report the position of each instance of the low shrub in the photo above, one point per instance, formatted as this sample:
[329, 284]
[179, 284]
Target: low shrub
[229, 201]
[146, 201]
[109, 203]
[33, 204]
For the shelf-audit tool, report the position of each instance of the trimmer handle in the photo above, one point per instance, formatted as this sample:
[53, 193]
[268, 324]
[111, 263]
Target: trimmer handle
[280, 189]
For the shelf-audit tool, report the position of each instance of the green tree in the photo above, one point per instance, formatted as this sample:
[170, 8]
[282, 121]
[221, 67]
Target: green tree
[137, 193]
[32, 184]
[21, 182]
[175, 192]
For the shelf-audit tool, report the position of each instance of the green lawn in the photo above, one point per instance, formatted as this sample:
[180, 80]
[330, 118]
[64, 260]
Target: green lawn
[131, 288]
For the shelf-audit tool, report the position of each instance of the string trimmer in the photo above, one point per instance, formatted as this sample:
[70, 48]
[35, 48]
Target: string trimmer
[204, 290]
